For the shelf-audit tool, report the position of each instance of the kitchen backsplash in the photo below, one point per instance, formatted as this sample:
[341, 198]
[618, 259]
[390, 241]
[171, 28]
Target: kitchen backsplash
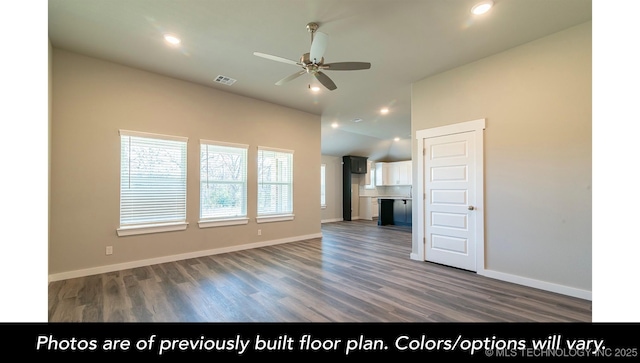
[400, 191]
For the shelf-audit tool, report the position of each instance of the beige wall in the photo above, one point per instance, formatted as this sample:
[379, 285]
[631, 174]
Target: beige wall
[536, 99]
[93, 99]
[333, 193]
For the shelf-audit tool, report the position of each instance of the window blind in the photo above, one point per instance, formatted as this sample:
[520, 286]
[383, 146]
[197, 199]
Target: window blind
[223, 180]
[153, 178]
[275, 181]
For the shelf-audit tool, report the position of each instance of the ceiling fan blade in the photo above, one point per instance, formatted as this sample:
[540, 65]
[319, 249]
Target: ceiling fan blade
[325, 80]
[277, 59]
[318, 47]
[289, 78]
[346, 66]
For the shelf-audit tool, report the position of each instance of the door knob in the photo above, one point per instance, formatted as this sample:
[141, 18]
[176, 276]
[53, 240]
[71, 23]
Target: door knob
[471, 207]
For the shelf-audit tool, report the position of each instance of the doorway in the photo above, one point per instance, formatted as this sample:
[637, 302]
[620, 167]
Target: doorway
[450, 217]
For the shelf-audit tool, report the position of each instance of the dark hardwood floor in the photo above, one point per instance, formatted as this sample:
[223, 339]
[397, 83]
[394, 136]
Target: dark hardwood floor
[357, 272]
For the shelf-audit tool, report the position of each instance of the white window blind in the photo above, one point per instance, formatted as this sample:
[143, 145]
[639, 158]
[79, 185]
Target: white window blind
[153, 179]
[223, 180]
[275, 181]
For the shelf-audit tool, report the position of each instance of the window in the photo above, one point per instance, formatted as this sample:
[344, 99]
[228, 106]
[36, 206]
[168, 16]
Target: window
[153, 183]
[323, 200]
[275, 185]
[223, 184]
[370, 176]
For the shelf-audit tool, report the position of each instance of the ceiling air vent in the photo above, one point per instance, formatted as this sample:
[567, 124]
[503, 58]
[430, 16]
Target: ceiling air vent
[225, 80]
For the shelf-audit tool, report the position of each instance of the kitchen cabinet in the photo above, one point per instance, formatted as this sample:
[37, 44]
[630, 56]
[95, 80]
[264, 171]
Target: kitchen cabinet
[395, 211]
[385, 212]
[382, 174]
[365, 211]
[356, 164]
[394, 173]
[374, 208]
[350, 165]
[402, 212]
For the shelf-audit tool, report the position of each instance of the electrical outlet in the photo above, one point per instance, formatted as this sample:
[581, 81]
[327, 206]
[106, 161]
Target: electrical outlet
[109, 250]
[259, 232]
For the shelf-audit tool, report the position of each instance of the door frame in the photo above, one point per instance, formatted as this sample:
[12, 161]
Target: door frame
[477, 127]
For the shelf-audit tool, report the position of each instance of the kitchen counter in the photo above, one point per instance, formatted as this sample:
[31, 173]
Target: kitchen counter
[394, 197]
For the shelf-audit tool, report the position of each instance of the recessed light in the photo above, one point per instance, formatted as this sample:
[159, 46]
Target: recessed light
[172, 39]
[357, 120]
[334, 125]
[482, 7]
[384, 111]
[396, 139]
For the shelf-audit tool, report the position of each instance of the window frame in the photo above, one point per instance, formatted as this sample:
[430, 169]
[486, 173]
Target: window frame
[158, 226]
[323, 186]
[207, 222]
[277, 216]
[370, 183]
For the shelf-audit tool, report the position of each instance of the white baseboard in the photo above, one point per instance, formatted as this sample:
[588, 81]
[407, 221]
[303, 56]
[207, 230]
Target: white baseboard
[331, 220]
[538, 284]
[525, 281]
[172, 258]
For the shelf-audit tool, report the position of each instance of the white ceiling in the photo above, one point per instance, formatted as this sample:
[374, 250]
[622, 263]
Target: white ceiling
[404, 41]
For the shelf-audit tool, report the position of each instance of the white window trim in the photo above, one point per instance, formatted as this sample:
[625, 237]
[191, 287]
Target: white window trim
[208, 223]
[226, 221]
[372, 176]
[275, 149]
[275, 218]
[152, 135]
[324, 205]
[265, 218]
[151, 228]
[222, 143]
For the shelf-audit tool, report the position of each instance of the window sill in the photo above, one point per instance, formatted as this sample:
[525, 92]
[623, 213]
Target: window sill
[275, 218]
[151, 228]
[222, 222]
[323, 207]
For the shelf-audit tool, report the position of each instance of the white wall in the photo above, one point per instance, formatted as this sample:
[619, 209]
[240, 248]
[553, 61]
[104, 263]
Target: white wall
[536, 99]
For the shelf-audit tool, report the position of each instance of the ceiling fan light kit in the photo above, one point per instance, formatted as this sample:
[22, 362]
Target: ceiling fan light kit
[313, 61]
[482, 7]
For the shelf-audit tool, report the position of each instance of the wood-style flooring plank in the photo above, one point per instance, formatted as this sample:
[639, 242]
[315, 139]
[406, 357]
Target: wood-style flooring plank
[357, 272]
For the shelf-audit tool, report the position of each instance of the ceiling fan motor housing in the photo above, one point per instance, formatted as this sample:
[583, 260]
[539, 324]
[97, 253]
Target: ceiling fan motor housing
[315, 65]
[309, 65]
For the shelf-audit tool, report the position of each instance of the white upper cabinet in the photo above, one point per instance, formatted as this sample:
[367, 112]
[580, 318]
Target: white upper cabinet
[394, 173]
[380, 173]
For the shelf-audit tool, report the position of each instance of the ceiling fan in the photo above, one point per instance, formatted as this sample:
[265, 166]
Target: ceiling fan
[313, 62]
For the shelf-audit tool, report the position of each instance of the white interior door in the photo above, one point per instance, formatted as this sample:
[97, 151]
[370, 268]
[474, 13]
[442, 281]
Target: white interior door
[450, 200]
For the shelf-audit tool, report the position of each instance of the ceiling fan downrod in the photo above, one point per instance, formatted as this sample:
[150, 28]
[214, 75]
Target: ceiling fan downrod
[312, 27]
